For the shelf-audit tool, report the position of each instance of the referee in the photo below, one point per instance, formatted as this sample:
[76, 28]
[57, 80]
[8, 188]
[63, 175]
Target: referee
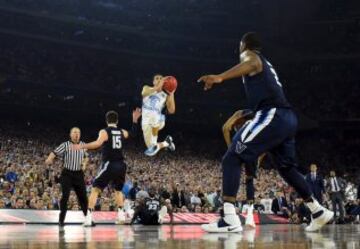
[72, 175]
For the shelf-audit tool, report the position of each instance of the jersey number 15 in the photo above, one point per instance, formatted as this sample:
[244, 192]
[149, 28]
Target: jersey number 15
[116, 142]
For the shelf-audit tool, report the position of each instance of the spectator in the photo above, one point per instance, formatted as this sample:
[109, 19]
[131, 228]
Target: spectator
[301, 213]
[279, 205]
[336, 187]
[316, 183]
[260, 208]
[20, 204]
[195, 199]
[11, 175]
[133, 191]
[2, 204]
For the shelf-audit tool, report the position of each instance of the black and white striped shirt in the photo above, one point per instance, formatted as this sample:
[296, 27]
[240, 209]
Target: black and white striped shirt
[72, 158]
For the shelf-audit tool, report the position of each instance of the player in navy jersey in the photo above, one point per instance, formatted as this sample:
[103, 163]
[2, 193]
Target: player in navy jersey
[148, 211]
[234, 123]
[113, 169]
[272, 130]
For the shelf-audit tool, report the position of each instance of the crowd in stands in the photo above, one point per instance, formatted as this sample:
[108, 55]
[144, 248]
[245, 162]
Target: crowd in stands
[191, 181]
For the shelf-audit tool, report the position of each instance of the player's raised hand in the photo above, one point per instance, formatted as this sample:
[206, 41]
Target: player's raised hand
[136, 114]
[210, 80]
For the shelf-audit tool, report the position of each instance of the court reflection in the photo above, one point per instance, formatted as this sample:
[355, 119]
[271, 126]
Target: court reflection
[269, 236]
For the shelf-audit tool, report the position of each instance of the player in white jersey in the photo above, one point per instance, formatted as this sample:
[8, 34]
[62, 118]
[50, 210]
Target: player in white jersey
[153, 120]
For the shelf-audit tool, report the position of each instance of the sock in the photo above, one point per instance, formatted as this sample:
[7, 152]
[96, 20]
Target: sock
[164, 144]
[154, 140]
[229, 209]
[250, 209]
[313, 205]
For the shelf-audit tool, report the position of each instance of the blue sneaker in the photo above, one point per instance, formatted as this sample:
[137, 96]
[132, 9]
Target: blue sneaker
[152, 151]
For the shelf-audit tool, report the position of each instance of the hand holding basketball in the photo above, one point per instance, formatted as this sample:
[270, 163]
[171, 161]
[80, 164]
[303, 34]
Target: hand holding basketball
[170, 84]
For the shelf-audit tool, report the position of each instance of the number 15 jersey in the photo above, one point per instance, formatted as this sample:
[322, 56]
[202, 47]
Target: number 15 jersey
[112, 148]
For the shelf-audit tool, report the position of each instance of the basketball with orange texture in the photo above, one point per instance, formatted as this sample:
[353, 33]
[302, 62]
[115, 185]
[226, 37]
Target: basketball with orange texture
[170, 84]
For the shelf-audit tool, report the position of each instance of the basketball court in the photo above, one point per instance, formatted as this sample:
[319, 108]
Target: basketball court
[176, 236]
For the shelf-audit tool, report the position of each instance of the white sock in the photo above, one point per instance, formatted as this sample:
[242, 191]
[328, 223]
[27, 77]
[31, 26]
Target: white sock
[229, 209]
[314, 206]
[164, 144]
[250, 209]
[154, 140]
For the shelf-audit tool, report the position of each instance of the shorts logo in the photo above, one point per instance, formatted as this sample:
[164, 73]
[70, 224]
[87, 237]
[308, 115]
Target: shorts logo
[240, 147]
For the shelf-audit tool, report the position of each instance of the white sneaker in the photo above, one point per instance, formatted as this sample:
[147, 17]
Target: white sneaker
[88, 220]
[319, 219]
[170, 141]
[121, 217]
[129, 214]
[162, 213]
[249, 221]
[152, 151]
[228, 224]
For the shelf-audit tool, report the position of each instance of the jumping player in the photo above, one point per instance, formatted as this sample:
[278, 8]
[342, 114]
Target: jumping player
[154, 101]
[113, 169]
[271, 130]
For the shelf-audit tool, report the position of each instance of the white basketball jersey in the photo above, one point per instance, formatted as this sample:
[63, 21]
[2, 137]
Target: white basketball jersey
[152, 107]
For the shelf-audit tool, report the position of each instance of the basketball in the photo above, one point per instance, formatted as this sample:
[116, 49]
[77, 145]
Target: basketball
[170, 84]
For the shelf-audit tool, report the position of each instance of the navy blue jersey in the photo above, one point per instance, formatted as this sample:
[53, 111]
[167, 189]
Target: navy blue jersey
[264, 89]
[112, 148]
[152, 204]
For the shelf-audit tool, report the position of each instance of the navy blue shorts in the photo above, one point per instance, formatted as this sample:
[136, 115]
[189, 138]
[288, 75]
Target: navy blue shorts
[271, 130]
[111, 173]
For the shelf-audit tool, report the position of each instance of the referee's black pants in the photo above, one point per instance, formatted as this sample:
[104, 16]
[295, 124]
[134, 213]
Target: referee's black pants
[72, 179]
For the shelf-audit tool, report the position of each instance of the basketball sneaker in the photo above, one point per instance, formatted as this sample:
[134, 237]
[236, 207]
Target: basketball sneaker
[229, 222]
[88, 220]
[162, 213]
[170, 141]
[152, 151]
[320, 216]
[249, 221]
[121, 217]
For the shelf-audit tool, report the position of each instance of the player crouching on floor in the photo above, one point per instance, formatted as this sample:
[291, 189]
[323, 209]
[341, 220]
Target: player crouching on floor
[148, 211]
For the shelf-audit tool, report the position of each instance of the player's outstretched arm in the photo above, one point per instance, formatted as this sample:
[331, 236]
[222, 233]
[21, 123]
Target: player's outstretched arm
[50, 159]
[136, 114]
[95, 144]
[250, 64]
[57, 152]
[229, 125]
